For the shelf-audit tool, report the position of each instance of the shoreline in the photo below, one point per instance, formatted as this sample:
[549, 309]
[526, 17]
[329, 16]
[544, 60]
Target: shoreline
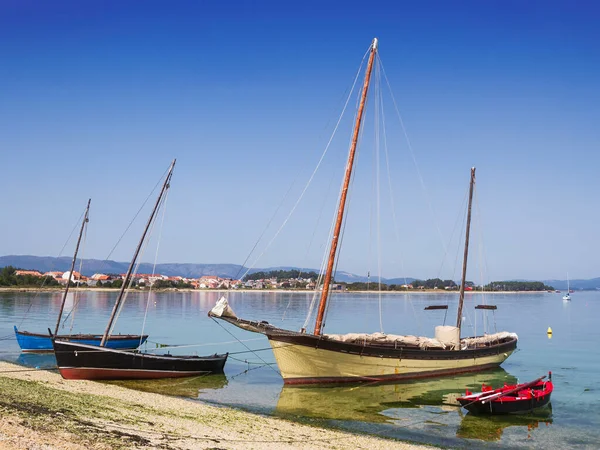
[105, 416]
[269, 291]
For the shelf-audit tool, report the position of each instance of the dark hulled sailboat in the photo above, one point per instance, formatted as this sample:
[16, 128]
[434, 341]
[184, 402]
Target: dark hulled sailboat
[85, 362]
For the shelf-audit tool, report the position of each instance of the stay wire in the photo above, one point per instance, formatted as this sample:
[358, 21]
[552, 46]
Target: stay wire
[345, 218]
[247, 348]
[77, 291]
[460, 215]
[139, 259]
[158, 183]
[378, 196]
[164, 211]
[313, 173]
[38, 291]
[242, 267]
[412, 153]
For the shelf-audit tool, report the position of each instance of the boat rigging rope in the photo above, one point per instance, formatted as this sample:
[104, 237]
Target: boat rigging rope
[204, 344]
[332, 227]
[71, 313]
[414, 159]
[482, 258]
[237, 276]
[320, 277]
[162, 221]
[37, 293]
[248, 348]
[393, 209]
[460, 215]
[137, 266]
[126, 229]
[345, 218]
[378, 102]
[312, 238]
[322, 269]
[78, 286]
[311, 176]
[137, 213]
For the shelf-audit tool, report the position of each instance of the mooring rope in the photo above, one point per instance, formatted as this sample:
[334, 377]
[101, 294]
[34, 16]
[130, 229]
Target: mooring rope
[162, 346]
[248, 348]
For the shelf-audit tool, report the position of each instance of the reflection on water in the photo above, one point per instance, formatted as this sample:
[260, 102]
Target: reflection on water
[418, 411]
[366, 402]
[434, 400]
[37, 360]
[490, 428]
[179, 387]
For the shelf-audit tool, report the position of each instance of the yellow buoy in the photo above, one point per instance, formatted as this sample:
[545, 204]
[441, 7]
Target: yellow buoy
[549, 330]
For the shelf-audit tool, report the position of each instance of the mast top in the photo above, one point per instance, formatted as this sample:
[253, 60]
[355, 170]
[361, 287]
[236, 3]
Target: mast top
[374, 44]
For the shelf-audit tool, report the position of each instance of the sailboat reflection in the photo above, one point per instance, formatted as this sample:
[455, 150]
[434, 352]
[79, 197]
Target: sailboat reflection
[177, 387]
[45, 361]
[365, 402]
[490, 428]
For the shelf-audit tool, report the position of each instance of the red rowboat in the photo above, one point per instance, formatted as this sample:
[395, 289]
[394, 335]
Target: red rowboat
[509, 399]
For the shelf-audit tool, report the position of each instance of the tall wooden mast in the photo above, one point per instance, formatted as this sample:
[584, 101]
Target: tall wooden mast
[165, 186]
[342, 205]
[461, 297]
[86, 219]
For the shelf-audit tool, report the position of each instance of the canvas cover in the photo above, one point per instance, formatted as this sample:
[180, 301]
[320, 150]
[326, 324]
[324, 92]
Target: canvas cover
[222, 309]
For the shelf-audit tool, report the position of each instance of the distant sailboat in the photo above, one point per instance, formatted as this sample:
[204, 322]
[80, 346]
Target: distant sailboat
[567, 296]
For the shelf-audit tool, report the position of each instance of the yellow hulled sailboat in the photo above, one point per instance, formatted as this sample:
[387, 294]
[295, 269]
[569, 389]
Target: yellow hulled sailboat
[305, 358]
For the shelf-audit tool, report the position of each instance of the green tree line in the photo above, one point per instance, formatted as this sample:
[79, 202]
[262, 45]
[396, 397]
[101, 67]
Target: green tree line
[8, 277]
[521, 286]
[517, 286]
[165, 284]
[281, 275]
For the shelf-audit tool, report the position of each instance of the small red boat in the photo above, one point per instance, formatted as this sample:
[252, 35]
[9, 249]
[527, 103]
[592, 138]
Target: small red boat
[509, 399]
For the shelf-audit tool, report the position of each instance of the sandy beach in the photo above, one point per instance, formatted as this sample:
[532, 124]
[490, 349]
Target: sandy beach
[40, 410]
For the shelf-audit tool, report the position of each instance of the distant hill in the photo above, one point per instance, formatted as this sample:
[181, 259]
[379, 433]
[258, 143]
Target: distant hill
[92, 266]
[591, 284]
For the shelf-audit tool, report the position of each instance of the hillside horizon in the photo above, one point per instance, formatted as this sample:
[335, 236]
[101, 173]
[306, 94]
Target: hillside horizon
[223, 270]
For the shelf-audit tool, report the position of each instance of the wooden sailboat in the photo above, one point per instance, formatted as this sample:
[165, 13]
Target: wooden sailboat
[85, 362]
[305, 358]
[41, 342]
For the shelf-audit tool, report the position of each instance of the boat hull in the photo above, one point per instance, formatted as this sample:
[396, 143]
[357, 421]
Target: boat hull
[506, 407]
[307, 359]
[517, 399]
[37, 342]
[88, 362]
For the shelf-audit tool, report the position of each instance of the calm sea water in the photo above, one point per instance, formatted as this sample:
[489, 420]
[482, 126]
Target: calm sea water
[419, 411]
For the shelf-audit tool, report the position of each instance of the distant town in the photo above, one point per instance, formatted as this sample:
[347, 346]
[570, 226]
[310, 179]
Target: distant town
[11, 276]
[277, 279]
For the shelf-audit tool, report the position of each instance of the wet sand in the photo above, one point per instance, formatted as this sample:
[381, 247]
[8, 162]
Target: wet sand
[40, 410]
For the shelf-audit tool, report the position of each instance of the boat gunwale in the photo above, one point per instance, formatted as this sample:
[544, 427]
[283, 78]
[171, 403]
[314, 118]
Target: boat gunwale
[390, 351]
[100, 373]
[378, 349]
[94, 348]
[509, 404]
[113, 337]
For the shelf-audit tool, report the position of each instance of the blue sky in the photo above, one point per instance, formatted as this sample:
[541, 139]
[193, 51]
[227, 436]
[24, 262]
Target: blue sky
[98, 97]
